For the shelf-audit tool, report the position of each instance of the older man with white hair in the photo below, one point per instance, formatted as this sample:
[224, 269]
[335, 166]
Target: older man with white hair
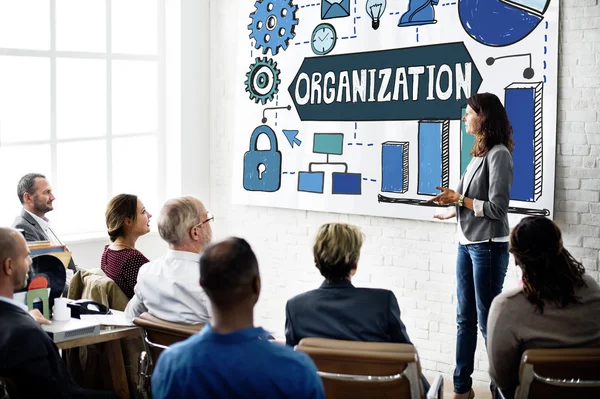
[168, 287]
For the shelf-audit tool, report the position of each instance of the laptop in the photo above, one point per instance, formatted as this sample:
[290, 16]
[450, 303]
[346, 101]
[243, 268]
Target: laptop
[60, 331]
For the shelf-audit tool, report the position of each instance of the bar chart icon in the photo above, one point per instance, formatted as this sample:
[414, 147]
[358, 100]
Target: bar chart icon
[394, 167]
[523, 103]
[434, 156]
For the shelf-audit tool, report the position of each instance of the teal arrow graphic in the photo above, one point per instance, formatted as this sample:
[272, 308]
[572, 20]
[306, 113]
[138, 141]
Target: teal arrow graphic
[415, 83]
[290, 135]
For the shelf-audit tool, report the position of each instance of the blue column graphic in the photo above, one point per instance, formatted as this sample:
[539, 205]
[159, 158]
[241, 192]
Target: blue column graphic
[523, 103]
[434, 156]
[394, 167]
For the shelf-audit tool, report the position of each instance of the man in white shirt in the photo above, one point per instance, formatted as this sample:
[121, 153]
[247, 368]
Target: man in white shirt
[168, 287]
[35, 194]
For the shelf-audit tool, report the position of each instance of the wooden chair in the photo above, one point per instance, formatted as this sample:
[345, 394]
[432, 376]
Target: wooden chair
[158, 335]
[559, 373]
[352, 369]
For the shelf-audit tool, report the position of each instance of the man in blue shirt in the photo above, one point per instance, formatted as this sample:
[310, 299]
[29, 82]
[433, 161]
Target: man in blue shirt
[231, 358]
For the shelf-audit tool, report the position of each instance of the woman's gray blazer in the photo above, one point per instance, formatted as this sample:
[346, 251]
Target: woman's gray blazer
[489, 179]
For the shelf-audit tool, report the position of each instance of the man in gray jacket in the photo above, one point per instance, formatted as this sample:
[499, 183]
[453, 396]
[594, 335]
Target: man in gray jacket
[35, 194]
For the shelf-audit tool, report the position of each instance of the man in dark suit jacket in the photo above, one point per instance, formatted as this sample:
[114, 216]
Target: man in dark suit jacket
[28, 357]
[337, 309]
[36, 196]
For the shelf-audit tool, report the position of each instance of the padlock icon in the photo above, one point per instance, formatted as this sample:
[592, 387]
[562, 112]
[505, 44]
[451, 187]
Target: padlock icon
[262, 169]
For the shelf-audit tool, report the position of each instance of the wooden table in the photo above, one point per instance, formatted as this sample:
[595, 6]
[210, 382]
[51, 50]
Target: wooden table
[111, 341]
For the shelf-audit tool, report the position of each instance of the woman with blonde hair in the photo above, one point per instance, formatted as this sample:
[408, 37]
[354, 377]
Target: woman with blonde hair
[338, 309]
[126, 220]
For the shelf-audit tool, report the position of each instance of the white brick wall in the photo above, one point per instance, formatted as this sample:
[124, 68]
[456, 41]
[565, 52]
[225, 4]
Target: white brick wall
[414, 259]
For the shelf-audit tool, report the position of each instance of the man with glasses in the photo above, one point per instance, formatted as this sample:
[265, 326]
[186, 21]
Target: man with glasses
[168, 287]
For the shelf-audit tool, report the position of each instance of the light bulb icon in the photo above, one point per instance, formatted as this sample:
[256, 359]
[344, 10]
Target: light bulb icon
[375, 9]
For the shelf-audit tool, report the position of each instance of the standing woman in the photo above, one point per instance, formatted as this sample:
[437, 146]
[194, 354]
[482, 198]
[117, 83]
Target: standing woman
[481, 207]
[126, 220]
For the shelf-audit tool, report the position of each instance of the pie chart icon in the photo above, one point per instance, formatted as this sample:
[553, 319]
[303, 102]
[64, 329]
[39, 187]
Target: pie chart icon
[498, 23]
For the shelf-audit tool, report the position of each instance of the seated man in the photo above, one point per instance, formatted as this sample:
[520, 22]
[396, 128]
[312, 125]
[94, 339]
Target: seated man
[557, 306]
[168, 287]
[28, 355]
[337, 309]
[35, 195]
[230, 357]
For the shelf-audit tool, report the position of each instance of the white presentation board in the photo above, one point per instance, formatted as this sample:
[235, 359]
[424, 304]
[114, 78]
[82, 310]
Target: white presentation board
[355, 106]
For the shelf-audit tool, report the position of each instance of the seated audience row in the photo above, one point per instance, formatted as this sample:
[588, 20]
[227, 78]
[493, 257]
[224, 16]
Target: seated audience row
[219, 285]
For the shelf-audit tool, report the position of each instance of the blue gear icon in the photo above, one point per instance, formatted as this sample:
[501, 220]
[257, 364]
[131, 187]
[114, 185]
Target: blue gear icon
[262, 80]
[273, 24]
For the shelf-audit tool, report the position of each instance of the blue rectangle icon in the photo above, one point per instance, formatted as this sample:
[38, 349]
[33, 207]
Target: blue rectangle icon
[328, 143]
[523, 103]
[311, 182]
[434, 156]
[394, 167]
[346, 183]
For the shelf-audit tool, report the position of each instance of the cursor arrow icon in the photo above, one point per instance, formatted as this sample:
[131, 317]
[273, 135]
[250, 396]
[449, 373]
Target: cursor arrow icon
[290, 135]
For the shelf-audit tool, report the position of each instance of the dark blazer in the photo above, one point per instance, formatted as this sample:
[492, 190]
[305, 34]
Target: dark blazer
[32, 231]
[342, 311]
[29, 357]
[489, 180]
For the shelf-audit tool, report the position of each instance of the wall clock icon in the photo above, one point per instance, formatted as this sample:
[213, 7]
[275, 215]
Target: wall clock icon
[323, 39]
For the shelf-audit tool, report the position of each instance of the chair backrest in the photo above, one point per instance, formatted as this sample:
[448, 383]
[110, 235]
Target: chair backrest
[559, 373]
[160, 334]
[352, 369]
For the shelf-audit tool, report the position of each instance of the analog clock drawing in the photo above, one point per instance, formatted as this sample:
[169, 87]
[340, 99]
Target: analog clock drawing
[323, 39]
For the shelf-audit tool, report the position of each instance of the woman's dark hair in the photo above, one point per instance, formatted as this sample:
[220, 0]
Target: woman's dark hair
[495, 127]
[120, 208]
[550, 273]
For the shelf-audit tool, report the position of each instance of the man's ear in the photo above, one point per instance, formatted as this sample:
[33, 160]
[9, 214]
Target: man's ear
[193, 234]
[27, 197]
[7, 267]
[256, 285]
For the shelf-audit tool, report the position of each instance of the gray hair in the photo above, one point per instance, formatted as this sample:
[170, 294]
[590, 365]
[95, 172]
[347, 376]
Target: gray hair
[27, 185]
[176, 217]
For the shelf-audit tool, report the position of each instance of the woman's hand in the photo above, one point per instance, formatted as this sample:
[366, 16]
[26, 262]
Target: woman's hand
[446, 197]
[449, 214]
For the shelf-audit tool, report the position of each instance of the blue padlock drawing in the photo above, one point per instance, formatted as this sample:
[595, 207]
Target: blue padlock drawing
[262, 169]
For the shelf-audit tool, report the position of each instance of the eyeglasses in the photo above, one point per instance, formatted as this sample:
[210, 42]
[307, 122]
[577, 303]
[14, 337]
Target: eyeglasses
[209, 218]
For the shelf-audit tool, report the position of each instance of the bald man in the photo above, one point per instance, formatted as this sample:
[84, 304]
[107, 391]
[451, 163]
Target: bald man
[27, 354]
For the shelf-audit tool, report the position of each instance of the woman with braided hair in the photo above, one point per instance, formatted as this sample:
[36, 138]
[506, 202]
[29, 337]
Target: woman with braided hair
[557, 306]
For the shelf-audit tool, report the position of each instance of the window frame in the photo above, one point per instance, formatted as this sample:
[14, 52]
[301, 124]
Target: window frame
[108, 56]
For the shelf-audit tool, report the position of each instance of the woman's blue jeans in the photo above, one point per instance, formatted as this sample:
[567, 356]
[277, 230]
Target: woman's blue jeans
[480, 272]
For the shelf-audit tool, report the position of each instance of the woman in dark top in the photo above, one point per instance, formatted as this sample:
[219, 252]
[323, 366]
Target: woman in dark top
[338, 309]
[126, 220]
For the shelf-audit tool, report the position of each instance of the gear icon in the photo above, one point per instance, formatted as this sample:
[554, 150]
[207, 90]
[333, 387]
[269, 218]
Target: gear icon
[273, 24]
[262, 80]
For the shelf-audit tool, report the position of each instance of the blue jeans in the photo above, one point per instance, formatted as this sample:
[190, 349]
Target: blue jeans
[480, 272]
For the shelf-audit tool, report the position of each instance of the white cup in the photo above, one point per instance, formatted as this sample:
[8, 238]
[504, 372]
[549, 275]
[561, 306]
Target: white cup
[61, 311]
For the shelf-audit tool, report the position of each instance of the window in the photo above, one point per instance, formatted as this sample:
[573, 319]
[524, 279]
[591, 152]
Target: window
[82, 100]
